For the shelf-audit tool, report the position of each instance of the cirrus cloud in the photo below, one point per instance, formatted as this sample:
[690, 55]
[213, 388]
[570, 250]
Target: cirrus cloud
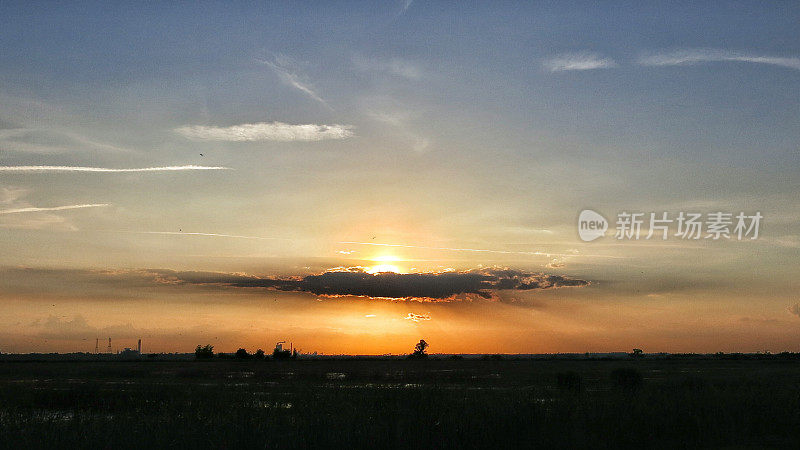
[289, 72]
[578, 61]
[701, 55]
[395, 66]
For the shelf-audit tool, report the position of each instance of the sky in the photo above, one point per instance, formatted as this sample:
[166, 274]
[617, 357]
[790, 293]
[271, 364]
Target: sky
[355, 176]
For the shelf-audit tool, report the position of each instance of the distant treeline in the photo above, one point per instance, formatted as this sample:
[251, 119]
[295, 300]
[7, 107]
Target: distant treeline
[617, 356]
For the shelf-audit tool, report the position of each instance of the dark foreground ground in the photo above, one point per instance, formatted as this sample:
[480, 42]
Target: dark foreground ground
[400, 403]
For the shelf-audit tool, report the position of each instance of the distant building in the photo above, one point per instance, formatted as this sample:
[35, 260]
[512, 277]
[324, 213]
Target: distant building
[129, 353]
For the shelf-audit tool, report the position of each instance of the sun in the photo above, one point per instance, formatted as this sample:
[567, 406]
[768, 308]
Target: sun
[384, 266]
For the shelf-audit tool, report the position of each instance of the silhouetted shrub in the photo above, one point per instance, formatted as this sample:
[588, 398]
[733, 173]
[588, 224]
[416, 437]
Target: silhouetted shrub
[419, 350]
[204, 352]
[626, 378]
[569, 381]
[242, 354]
[259, 354]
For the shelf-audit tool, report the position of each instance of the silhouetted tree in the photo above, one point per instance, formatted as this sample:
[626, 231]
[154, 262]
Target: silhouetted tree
[259, 354]
[242, 354]
[204, 352]
[419, 350]
[637, 353]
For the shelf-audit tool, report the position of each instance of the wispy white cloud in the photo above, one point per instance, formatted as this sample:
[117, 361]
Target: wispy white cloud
[695, 56]
[43, 221]
[389, 111]
[578, 61]
[417, 317]
[273, 131]
[10, 194]
[104, 169]
[54, 208]
[421, 144]
[286, 68]
[50, 141]
[394, 66]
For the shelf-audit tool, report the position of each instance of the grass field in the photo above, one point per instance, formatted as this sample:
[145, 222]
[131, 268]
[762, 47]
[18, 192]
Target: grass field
[401, 403]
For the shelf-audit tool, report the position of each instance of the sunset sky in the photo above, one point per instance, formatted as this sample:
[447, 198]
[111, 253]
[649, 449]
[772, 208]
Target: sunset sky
[355, 176]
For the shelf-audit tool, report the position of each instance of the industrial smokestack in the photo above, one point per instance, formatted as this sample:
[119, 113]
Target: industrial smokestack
[139, 347]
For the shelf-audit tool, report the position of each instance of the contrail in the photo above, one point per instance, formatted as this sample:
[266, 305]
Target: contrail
[55, 208]
[104, 169]
[187, 233]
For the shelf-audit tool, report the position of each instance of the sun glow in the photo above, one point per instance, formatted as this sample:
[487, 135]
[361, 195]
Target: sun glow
[385, 258]
[385, 266]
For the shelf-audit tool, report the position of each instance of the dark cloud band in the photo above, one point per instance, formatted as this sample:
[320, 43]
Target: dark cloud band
[356, 282]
